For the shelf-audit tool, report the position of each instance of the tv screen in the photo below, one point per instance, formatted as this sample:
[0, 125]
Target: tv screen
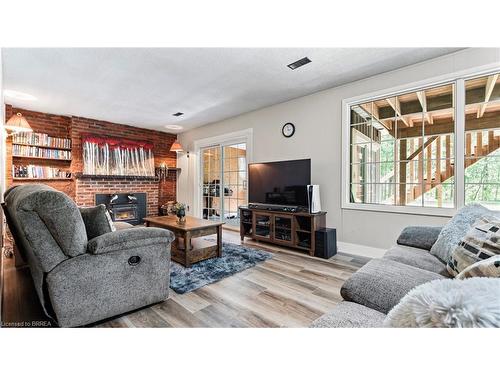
[282, 182]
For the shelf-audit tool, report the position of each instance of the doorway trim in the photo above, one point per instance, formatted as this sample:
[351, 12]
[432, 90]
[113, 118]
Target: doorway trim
[242, 136]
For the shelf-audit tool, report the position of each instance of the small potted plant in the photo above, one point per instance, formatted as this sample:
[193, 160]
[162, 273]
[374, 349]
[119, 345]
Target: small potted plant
[180, 212]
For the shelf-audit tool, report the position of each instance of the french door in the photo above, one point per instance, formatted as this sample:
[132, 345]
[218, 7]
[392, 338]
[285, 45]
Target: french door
[224, 182]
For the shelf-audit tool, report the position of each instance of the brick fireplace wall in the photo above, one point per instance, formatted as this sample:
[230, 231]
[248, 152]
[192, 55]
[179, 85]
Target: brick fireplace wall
[82, 190]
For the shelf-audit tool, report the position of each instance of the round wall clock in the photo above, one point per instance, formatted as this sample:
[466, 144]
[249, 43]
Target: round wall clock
[288, 129]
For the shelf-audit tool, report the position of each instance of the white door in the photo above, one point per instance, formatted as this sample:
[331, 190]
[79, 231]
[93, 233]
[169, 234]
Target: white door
[224, 182]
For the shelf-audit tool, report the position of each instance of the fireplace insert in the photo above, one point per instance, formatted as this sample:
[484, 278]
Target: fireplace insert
[124, 207]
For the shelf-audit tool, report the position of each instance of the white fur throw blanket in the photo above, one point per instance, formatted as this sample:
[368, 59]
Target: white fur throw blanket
[452, 303]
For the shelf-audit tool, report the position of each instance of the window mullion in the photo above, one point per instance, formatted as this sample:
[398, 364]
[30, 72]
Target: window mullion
[460, 143]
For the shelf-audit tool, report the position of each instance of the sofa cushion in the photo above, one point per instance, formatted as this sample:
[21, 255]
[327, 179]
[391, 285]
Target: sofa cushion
[417, 258]
[456, 228]
[421, 237]
[449, 303]
[61, 218]
[350, 315]
[381, 283]
[481, 242]
[97, 220]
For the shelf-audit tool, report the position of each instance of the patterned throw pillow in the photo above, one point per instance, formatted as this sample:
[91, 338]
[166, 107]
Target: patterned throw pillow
[453, 232]
[486, 268]
[482, 241]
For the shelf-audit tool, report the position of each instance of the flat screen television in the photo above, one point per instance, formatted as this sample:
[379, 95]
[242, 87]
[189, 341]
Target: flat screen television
[281, 183]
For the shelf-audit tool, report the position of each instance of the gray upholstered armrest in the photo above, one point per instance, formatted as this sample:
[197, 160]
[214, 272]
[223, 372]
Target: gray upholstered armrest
[129, 239]
[421, 237]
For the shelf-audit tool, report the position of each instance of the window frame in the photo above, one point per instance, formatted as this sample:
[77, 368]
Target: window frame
[458, 80]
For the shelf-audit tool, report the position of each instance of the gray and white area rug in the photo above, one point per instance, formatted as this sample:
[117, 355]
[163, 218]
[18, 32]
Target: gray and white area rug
[234, 259]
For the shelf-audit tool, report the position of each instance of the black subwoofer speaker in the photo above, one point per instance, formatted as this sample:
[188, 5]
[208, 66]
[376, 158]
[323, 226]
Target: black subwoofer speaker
[326, 243]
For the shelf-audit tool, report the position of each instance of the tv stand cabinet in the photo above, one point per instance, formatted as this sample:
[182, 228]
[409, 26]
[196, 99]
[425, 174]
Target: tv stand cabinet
[291, 229]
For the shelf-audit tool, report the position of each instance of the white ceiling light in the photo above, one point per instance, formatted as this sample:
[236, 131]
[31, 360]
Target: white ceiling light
[174, 127]
[19, 95]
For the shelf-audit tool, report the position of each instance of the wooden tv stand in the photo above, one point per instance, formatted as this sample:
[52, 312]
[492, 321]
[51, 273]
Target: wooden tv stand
[292, 229]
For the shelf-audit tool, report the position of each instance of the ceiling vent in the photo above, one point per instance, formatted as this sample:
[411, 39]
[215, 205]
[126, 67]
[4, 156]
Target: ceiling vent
[299, 63]
[177, 114]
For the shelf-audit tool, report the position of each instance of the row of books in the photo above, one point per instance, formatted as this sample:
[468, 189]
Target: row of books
[37, 171]
[33, 151]
[40, 139]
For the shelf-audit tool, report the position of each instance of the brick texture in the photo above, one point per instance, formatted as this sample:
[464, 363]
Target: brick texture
[82, 190]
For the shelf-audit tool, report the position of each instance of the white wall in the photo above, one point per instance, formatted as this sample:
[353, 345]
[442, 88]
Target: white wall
[317, 118]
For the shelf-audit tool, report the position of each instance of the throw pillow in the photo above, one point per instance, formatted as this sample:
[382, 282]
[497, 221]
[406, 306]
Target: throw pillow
[97, 221]
[481, 242]
[486, 268]
[449, 303]
[456, 228]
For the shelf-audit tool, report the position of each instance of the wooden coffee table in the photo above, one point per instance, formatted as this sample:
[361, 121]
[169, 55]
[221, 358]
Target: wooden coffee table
[189, 247]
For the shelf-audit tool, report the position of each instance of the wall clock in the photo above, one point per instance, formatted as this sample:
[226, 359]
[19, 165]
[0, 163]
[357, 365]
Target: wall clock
[288, 129]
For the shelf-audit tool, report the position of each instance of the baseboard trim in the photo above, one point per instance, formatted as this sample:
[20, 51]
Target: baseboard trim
[361, 250]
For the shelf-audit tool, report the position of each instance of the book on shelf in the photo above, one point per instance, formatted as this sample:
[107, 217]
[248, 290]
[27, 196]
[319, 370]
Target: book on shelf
[40, 139]
[37, 152]
[38, 171]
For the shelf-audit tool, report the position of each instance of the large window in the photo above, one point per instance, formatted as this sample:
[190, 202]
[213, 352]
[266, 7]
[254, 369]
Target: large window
[482, 141]
[402, 147]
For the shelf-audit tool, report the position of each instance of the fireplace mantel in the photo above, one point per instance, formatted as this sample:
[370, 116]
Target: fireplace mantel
[81, 176]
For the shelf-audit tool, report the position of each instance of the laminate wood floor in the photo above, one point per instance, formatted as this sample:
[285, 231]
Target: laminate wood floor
[289, 290]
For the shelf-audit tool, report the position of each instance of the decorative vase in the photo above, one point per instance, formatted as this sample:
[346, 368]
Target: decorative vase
[181, 217]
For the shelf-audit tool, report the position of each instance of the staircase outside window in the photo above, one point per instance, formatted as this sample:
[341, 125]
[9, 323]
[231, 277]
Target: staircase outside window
[402, 147]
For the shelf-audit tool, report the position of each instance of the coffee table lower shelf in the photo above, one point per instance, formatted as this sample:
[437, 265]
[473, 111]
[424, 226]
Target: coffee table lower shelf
[201, 249]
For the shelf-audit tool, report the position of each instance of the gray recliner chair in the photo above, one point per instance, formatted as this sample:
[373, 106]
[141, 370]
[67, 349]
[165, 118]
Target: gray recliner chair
[81, 281]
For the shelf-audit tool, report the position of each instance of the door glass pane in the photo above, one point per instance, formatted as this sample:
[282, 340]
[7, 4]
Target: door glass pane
[263, 226]
[283, 228]
[211, 204]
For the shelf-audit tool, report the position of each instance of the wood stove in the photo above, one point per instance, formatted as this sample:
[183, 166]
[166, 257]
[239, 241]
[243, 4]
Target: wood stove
[124, 207]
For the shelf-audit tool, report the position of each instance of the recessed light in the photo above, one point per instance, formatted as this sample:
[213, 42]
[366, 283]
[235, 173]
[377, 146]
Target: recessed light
[19, 95]
[177, 114]
[299, 63]
[174, 127]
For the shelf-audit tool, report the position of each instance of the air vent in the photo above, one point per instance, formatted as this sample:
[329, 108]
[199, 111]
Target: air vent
[299, 63]
[177, 114]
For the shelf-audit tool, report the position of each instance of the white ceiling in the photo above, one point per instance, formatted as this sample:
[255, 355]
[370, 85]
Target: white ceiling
[144, 87]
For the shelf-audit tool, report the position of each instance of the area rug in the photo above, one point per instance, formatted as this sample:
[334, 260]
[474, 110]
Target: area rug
[234, 259]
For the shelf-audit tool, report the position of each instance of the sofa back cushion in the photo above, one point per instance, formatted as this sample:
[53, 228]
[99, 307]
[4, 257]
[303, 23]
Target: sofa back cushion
[481, 242]
[36, 246]
[97, 221]
[456, 229]
[58, 215]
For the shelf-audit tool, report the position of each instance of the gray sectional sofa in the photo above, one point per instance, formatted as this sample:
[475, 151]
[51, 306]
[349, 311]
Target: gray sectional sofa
[371, 292]
[81, 280]
[379, 285]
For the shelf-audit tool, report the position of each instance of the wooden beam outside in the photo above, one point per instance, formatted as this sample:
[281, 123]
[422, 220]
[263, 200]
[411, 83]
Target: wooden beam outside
[374, 113]
[423, 102]
[489, 121]
[419, 150]
[402, 173]
[488, 90]
[396, 106]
